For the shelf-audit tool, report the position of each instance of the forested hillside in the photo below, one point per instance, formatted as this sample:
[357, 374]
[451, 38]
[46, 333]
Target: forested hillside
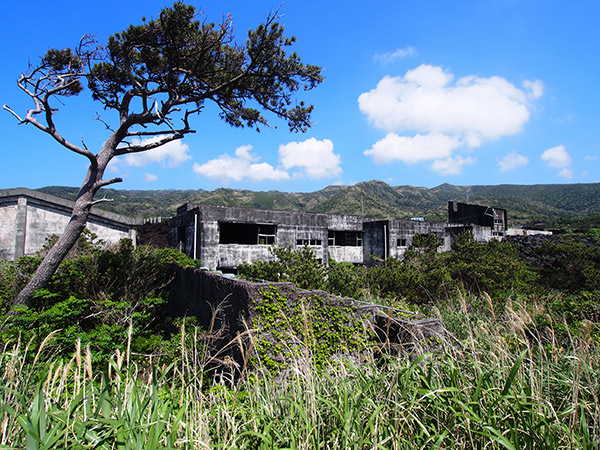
[576, 205]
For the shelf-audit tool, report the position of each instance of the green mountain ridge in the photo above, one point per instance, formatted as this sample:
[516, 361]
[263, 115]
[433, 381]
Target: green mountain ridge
[576, 205]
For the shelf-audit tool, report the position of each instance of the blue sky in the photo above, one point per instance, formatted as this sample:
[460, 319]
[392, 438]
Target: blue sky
[415, 93]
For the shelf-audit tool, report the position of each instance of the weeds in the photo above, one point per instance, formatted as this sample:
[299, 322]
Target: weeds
[503, 390]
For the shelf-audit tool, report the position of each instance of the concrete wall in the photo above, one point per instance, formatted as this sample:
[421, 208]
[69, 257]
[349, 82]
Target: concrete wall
[8, 220]
[347, 254]
[485, 216]
[391, 238]
[226, 307]
[196, 231]
[28, 217]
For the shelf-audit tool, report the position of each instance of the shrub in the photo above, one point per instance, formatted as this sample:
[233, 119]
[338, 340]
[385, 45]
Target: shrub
[100, 297]
[346, 279]
[494, 267]
[300, 267]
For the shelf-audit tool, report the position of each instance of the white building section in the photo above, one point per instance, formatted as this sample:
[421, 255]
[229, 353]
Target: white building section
[28, 217]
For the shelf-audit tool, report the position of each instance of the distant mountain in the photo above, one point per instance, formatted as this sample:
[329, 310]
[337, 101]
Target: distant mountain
[553, 204]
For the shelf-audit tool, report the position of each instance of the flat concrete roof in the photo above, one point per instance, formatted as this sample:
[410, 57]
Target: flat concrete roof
[61, 202]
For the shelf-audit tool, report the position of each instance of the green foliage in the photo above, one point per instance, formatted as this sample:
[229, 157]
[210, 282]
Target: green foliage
[495, 267]
[346, 279]
[100, 298]
[289, 328]
[427, 242]
[300, 267]
[569, 263]
[198, 61]
[422, 277]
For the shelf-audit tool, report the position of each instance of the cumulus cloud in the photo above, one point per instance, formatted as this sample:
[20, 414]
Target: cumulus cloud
[474, 108]
[535, 89]
[412, 149]
[451, 165]
[313, 158]
[512, 161]
[149, 177]
[242, 165]
[399, 53]
[566, 173]
[557, 157]
[172, 154]
[429, 105]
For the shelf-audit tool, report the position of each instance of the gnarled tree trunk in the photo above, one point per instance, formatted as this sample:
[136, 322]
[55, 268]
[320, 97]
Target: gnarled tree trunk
[57, 253]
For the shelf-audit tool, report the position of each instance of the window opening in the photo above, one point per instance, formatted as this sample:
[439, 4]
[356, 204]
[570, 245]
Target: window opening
[303, 242]
[345, 238]
[181, 237]
[246, 233]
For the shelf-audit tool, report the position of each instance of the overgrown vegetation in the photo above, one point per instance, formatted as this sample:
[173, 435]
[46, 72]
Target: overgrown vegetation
[523, 372]
[289, 328]
[97, 298]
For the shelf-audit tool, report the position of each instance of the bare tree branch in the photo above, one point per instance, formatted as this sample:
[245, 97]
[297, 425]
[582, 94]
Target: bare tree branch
[149, 146]
[102, 200]
[7, 108]
[103, 183]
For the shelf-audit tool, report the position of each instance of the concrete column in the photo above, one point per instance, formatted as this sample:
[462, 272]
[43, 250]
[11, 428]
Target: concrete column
[21, 227]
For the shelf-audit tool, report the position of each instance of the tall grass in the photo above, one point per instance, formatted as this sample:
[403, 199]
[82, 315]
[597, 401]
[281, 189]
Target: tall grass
[503, 387]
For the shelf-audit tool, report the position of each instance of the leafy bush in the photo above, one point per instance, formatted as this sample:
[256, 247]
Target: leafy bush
[346, 279]
[422, 277]
[495, 267]
[300, 267]
[101, 298]
[569, 263]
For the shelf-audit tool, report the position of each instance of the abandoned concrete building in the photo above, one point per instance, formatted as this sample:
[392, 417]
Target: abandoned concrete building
[28, 217]
[494, 219]
[224, 237]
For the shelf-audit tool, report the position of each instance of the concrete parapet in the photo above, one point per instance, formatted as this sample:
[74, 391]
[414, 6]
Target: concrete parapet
[227, 308]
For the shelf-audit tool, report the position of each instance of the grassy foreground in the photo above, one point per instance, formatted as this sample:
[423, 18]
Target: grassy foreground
[499, 386]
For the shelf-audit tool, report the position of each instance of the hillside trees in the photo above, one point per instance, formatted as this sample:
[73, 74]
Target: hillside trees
[151, 79]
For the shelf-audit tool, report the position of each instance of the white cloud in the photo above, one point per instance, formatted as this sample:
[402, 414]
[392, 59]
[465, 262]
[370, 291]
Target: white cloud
[440, 115]
[557, 157]
[314, 158]
[566, 173]
[149, 177]
[590, 158]
[412, 149]
[236, 168]
[172, 154]
[535, 88]
[512, 161]
[475, 109]
[399, 53]
[452, 165]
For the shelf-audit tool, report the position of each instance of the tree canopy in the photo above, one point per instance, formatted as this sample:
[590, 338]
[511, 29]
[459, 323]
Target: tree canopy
[156, 76]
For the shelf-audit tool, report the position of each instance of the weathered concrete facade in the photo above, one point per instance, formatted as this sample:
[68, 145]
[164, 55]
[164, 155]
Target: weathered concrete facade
[28, 217]
[494, 219]
[224, 237]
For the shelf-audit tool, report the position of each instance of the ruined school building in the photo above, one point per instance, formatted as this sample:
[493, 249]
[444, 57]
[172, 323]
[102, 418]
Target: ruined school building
[224, 237]
[28, 217]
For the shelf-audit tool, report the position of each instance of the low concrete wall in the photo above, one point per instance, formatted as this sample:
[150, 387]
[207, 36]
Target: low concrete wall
[225, 306]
